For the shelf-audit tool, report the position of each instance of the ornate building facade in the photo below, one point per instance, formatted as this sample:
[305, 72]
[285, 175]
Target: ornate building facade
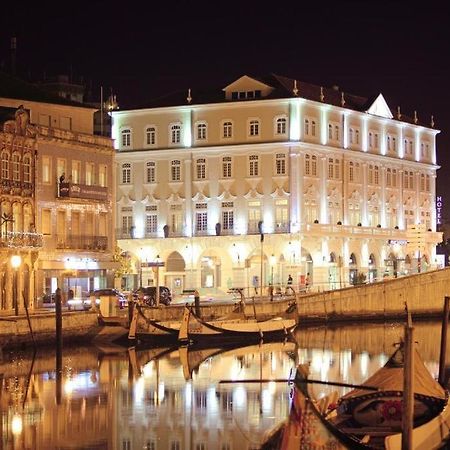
[267, 178]
[19, 241]
[69, 200]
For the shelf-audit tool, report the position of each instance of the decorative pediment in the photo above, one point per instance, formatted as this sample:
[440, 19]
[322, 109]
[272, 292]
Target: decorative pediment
[150, 200]
[279, 192]
[252, 194]
[373, 197]
[199, 197]
[125, 200]
[380, 108]
[355, 196]
[226, 197]
[333, 195]
[175, 198]
[310, 191]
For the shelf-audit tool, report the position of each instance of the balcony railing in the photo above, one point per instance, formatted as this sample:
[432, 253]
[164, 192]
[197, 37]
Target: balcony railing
[84, 191]
[95, 243]
[20, 239]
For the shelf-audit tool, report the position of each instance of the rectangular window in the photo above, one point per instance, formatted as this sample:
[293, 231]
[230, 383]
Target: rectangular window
[281, 164]
[46, 169]
[227, 220]
[227, 130]
[46, 218]
[201, 221]
[253, 165]
[201, 169]
[60, 167]
[151, 223]
[226, 167]
[76, 169]
[151, 172]
[175, 174]
[90, 174]
[102, 175]
[102, 224]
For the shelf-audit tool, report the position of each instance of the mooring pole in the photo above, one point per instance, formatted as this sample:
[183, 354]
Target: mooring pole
[441, 378]
[408, 387]
[58, 318]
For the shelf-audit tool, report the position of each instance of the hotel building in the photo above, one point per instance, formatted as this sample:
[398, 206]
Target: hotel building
[270, 177]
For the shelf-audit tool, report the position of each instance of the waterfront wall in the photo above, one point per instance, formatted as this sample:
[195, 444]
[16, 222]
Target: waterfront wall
[423, 293]
[15, 331]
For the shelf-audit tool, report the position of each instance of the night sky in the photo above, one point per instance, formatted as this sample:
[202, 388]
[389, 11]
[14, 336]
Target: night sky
[143, 49]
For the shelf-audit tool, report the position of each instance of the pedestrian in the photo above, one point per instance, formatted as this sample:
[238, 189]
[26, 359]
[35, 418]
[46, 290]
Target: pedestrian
[271, 292]
[289, 280]
[307, 282]
[62, 177]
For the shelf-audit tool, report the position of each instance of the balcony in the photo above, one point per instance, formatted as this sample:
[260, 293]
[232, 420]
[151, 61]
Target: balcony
[20, 239]
[10, 187]
[82, 191]
[94, 243]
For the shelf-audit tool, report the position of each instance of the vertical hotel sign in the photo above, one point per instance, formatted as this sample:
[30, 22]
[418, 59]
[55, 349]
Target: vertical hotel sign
[439, 210]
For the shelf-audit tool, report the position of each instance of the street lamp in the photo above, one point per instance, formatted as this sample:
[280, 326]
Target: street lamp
[273, 260]
[158, 260]
[16, 261]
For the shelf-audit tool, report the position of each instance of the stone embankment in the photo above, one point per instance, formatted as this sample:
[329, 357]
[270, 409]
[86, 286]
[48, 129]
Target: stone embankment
[422, 293]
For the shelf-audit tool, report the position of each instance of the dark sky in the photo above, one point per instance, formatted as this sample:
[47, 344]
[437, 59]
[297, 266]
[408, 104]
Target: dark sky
[144, 49]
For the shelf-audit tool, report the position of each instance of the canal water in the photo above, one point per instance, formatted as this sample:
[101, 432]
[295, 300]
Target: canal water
[111, 398]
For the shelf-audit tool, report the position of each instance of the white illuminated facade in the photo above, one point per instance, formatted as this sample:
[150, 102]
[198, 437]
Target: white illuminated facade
[334, 182]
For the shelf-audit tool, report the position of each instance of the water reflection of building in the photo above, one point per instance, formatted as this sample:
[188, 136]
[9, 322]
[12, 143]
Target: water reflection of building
[107, 405]
[333, 180]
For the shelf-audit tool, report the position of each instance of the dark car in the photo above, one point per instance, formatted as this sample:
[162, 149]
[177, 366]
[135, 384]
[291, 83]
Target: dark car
[110, 292]
[149, 295]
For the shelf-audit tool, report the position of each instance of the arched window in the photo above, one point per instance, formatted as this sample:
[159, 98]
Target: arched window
[227, 130]
[126, 173]
[150, 134]
[26, 168]
[281, 125]
[201, 131]
[16, 167]
[126, 137]
[175, 134]
[5, 166]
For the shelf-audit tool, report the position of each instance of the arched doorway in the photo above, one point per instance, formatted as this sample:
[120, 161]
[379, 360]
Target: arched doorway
[175, 274]
[391, 266]
[353, 270]
[372, 270]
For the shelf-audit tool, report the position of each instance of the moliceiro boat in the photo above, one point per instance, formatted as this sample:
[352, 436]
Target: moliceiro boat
[369, 416]
[146, 329]
[236, 327]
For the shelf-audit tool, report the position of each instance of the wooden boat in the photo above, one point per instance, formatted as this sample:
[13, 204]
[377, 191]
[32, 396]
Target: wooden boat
[236, 327]
[145, 329]
[369, 416]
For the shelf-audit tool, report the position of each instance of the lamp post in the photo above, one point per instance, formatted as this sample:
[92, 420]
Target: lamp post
[273, 260]
[157, 280]
[16, 261]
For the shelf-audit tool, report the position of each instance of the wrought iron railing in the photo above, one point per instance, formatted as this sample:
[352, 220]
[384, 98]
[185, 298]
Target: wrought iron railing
[95, 243]
[18, 239]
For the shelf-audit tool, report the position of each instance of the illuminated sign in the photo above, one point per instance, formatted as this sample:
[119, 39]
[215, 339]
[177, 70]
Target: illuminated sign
[438, 210]
[397, 242]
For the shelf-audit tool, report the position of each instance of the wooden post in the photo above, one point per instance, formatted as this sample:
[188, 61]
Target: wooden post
[58, 324]
[408, 387]
[197, 304]
[441, 378]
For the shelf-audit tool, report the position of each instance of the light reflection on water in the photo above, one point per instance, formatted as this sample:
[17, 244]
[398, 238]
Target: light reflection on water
[171, 398]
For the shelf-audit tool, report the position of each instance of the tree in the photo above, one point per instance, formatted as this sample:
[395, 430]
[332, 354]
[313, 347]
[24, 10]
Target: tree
[124, 260]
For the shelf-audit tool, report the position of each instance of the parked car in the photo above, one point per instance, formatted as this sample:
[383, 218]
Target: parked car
[110, 292]
[149, 295]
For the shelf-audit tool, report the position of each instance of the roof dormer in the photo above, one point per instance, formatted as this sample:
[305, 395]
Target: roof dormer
[247, 88]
